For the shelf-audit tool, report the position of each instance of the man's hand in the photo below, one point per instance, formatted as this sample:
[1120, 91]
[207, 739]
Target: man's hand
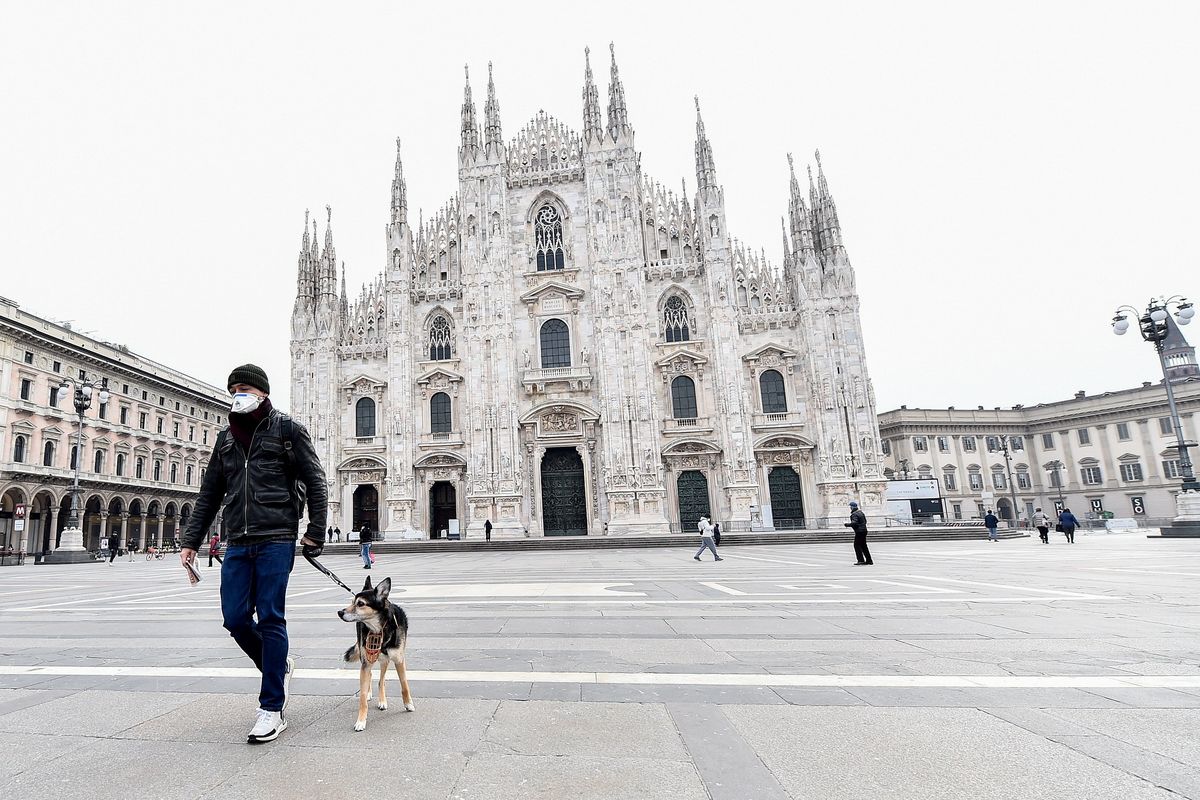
[310, 548]
[186, 556]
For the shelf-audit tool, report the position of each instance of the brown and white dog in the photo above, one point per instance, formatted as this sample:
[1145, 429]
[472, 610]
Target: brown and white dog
[381, 629]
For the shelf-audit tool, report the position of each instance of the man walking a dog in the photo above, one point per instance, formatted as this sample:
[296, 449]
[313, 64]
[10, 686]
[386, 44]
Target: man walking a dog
[257, 465]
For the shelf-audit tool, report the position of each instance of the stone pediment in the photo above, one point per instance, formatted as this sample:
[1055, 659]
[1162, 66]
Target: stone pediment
[691, 447]
[681, 362]
[550, 289]
[53, 430]
[580, 410]
[355, 463]
[24, 426]
[439, 379]
[103, 441]
[363, 386]
[789, 442]
[440, 460]
[771, 356]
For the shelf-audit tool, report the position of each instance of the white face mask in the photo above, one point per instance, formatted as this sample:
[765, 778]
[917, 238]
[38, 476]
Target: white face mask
[244, 403]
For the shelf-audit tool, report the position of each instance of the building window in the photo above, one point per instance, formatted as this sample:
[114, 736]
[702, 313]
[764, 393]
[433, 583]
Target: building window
[1016, 443]
[19, 446]
[98, 462]
[1123, 431]
[58, 366]
[124, 415]
[1047, 441]
[54, 396]
[74, 455]
[48, 454]
[969, 445]
[177, 405]
[924, 473]
[82, 375]
[191, 433]
[675, 320]
[1171, 468]
[885, 447]
[1024, 481]
[124, 388]
[976, 480]
[139, 468]
[439, 413]
[28, 357]
[1164, 426]
[26, 388]
[993, 443]
[1055, 479]
[556, 344]
[142, 421]
[174, 473]
[1091, 476]
[189, 474]
[920, 444]
[1131, 471]
[120, 464]
[175, 430]
[1085, 436]
[774, 398]
[204, 436]
[364, 417]
[161, 420]
[162, 401]
[145, 396]
[548, 239]
[948, 482]
[998, 481]
[943, 443]
[957, 509]
[157, 470]
[683, 398]
[102, 411]
[441, 339]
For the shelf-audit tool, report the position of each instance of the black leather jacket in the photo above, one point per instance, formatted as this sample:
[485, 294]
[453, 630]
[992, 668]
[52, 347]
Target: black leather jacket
[256, 489]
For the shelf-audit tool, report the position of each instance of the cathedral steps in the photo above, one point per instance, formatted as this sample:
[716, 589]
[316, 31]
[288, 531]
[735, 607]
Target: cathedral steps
[924, 533]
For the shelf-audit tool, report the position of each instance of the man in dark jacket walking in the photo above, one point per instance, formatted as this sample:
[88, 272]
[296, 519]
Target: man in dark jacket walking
[991, 523]
[858, 522]
[114, 544]
[1069, 523]
[256, 464]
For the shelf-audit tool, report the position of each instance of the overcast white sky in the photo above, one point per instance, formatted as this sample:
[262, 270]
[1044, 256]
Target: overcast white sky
[1005, 174]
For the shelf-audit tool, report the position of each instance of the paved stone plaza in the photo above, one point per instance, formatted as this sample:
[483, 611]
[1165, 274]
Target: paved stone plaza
[948, 670]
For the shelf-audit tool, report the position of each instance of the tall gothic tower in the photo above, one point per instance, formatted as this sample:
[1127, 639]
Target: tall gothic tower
[567, 347]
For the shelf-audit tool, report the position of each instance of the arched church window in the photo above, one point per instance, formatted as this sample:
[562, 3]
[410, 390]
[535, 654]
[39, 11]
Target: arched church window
[774, 397]
[99, 462]
[683, 398]
[19, 450]
[556, 344]
[439, 413]
[364, 417]
[441, 339]
[675, 320]
[548, 239]
[120, 464]
[48, 454]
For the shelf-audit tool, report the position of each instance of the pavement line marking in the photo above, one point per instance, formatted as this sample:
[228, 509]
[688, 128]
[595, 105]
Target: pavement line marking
[773, 560]
[1146, 571]
[91, 598]
[1006, 586]
[1129, 681]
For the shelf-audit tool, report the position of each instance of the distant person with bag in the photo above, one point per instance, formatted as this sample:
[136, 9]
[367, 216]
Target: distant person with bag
[706, 539]
[717, 533]
[1041, 521]
[364, 540]
[991, 523]
[858, 523]
[1067, 523]
[214, 549]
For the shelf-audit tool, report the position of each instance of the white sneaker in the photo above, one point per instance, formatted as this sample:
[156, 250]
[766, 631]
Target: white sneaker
[267, 727]
[287, 679]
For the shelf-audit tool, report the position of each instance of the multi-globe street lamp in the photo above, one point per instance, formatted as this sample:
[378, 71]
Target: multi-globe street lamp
[1054, 467]
[1012, 489]
[71, 543]
[1154, 326]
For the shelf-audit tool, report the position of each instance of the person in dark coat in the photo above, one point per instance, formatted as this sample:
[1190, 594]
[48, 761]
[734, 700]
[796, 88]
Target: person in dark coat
[364, 539]
[991, 523]
[1069, 523]
[487, 529]
[858, 522]
[114, 543]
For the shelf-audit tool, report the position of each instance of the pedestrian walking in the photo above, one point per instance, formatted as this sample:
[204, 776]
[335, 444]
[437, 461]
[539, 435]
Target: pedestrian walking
[114, 544]
[337, 534]
[487, 529]
[1069, 523]
[991, 523]
[717, 533]
[364, 541]
[858, 522]
[257, 462]
[1041, 521]
[706, 539]
[329, 534]
[214, 549]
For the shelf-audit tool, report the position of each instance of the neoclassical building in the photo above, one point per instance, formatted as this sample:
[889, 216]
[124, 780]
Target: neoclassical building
[143, 452]
[566, 346]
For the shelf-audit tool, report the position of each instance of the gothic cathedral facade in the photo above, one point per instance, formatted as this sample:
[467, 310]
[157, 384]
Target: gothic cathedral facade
[567, 347]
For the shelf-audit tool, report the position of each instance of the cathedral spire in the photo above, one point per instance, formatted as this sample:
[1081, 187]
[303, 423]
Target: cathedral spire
[799, 216]
[328, 272]
[493, 139]
[706, 170]
[344, 303]
[593, 125]
[470, 129]
[304, 267]
[618, 115]
[829, 226]
[399, 190]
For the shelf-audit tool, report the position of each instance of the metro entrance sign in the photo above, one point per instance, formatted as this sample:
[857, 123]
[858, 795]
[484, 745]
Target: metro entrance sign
[19, 517]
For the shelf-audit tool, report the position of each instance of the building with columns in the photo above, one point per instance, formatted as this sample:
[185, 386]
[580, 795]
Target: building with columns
[143, 453]
[1113, 452]
[566, 346]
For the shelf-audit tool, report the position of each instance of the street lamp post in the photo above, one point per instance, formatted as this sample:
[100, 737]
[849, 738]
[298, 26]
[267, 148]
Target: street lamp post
[70, 548]
[1012, 489]
[1153, 325]
[1056, 466]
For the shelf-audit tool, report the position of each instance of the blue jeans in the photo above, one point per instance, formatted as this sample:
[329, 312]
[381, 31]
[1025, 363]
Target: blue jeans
[992, 534]
[366, 553]
[254, 580]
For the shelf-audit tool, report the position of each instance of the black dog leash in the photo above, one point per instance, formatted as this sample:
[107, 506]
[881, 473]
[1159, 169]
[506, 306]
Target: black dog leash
[322, 568]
